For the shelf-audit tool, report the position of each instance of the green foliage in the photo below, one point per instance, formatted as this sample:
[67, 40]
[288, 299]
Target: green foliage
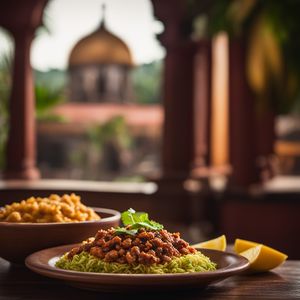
[49, 92]
[5, 84]
[136, 220]
[232, 17]
[46, 99]
[273, 29]
[115, 130]
[283, 18]
[53, 79]
[147, 82]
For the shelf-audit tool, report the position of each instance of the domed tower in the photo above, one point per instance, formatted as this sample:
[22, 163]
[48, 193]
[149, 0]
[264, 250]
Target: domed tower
[99, 68]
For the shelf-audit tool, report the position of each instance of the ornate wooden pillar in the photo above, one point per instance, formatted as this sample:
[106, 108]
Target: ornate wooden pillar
[178, 91]
[178, 134]
[21, 18]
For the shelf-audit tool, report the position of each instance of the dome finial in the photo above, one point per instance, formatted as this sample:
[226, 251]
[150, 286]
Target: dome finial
[103, 11]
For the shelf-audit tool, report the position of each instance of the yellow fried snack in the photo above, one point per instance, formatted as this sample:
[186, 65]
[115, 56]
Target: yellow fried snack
[55, 208]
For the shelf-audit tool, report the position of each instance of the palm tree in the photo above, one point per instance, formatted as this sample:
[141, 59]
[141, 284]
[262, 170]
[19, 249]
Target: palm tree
[272, 31]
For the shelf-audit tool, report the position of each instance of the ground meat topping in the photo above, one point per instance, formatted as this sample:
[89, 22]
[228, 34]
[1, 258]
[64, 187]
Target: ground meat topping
[146, 247]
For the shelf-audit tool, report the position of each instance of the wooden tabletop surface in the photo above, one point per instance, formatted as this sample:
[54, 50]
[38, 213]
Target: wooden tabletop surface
[17, 282]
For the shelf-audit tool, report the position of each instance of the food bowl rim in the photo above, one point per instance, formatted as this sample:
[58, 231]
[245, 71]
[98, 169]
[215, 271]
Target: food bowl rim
[116, 216]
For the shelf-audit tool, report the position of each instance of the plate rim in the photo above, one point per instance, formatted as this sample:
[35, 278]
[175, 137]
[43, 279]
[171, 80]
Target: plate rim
[45, 269]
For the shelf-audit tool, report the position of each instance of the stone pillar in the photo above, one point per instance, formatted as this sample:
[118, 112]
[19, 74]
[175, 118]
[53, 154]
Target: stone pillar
[22, 18]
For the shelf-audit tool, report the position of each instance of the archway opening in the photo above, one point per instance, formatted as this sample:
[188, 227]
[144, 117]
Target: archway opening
[99, 118]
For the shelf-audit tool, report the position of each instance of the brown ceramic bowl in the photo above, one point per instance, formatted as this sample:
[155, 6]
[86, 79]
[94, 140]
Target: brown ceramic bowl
[18, 240]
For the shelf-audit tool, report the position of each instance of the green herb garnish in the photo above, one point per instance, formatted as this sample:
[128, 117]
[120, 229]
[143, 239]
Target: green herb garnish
[136, 220]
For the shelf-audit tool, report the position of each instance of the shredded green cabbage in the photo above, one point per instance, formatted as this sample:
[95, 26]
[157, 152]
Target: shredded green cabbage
[84, 262]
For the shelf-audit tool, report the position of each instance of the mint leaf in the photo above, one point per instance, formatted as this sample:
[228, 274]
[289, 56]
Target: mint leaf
[147, 225]
[123, 230]
[156, 225]
[141, 217]
[142, 225]
[127, 217]
[134, 221]
[131, 217]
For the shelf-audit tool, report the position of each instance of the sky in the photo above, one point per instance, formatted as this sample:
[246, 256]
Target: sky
[70, 20]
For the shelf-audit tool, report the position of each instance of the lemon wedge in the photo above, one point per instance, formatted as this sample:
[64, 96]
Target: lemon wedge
[218, 243]
[242, 245]
[252, 254]
[262, 258]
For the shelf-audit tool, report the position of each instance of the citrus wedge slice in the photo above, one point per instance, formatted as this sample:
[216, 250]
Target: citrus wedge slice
[218, 243]
[252, 254]
[262, 258]
[242, 245]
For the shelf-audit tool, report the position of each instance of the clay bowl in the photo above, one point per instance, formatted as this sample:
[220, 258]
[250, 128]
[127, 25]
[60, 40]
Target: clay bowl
[18, 240]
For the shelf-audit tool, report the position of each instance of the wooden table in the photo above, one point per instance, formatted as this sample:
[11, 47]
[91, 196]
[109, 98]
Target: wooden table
[17, 282]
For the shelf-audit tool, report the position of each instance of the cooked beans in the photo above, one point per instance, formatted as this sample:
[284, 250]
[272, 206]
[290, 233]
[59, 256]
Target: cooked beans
[145, 247]
[67, 208]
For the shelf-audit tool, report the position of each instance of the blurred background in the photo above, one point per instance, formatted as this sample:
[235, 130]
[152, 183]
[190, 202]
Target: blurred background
[188, 109]
[103, 74]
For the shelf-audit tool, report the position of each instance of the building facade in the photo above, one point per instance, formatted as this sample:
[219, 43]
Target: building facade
[99, 68]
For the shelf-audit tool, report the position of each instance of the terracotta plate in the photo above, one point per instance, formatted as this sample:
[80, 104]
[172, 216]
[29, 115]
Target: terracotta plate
[43, 262]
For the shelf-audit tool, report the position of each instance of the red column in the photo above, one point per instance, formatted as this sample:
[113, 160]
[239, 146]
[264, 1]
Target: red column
[178, 138]
[242, 129]
[21, 141]
[184, 118]
[252, 132]
[21, 18]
